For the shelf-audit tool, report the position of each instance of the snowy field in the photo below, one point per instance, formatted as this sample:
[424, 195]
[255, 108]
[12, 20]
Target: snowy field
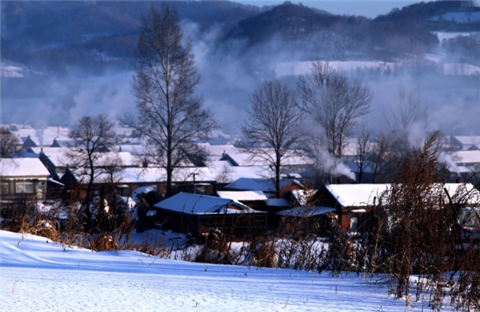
[39, 275]
[303, 68]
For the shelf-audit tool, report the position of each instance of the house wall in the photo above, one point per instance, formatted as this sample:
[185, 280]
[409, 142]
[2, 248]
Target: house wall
[240, 225]
[321, 225]
[23, 189]
[287, 188]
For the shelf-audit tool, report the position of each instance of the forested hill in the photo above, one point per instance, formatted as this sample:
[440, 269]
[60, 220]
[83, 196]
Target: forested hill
[322, 34]
[438, 15]
[50, 36]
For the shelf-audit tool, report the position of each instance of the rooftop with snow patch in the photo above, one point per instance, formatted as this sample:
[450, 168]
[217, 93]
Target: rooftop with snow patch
[202, 204]
[23, 168]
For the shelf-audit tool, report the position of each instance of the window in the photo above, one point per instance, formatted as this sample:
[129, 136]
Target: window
[353, 223]
[39, 190]
[24, 187]
[5, 187]
[124, 190]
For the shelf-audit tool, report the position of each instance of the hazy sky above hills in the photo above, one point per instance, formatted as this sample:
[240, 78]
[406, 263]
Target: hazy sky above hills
[371, 8]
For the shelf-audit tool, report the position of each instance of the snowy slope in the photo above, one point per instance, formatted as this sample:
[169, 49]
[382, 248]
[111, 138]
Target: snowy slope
[39, 275]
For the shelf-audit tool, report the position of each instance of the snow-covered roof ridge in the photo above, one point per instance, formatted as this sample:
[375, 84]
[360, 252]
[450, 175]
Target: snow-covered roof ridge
[23, 168]
[362, 195]
[201, 204]
[265, 185]
[157, 174]
[465, 157]
[349, 195]
[242, 195]
[304, 211]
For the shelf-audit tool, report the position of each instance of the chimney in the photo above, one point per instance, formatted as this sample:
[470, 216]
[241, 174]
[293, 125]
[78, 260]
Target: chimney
[459, 180]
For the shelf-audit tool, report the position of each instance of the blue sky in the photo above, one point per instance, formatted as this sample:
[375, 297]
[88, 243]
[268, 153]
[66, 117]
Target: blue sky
[370, 8]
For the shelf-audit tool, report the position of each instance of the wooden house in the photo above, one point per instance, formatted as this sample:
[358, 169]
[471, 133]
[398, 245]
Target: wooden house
[199, 214]
[23, 179]
[353, 202]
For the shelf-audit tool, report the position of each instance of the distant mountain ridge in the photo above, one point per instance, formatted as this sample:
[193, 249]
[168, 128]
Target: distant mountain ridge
[49, 37]
[437, 16]
[321, 34]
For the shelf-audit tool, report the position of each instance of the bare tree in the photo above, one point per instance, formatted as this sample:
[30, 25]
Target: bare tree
[381, 158]
[407, 120]
[92, 137]
[335, 102]
[363, 151]
[170, 117]
[10, 144]
[274, 123]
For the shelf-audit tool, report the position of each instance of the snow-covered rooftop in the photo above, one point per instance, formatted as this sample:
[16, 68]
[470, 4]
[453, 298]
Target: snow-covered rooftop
[157, 174]
[43, 137]
[55, 154]
[466, 157]
[303, 211]
[242, 195]
[225, 172]
[362, 195]
[22, 168]
[265, 185]
[468, 139]
[349, 195]
[201, 204]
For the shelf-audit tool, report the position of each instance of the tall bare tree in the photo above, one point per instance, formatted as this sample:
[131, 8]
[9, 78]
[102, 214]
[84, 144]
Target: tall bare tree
[170, 117]
[274, 123]
[408, 120]
[91, 138]
[363, 151]
[335, 102]
[10, 144]
[381, 159]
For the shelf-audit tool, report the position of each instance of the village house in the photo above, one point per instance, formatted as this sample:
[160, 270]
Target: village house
[23, 179]
[127, 180]
[466, 143]
[352, 202]
[463, 165]
[53, 159]
[200, 214]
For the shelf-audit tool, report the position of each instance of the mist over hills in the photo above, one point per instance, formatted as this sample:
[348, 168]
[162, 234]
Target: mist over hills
[71, 58]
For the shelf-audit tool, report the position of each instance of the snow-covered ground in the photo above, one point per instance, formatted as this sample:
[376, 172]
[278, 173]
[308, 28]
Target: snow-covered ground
[303, 68]
[442, 35]
[39, 275]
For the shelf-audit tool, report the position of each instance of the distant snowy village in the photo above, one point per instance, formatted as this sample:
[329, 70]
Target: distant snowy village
[225, 202]
[42, 172]
[246, 158]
